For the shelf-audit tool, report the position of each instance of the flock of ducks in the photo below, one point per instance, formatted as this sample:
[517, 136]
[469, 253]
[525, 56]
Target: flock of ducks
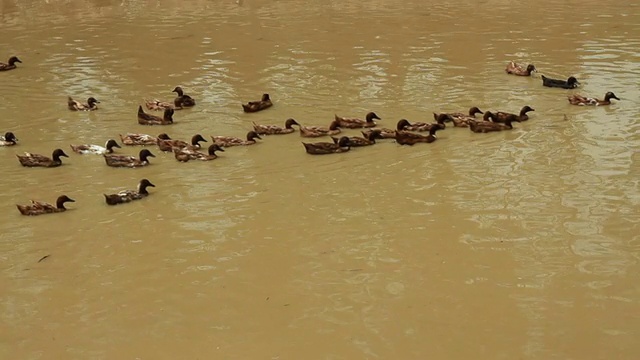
[405, 133]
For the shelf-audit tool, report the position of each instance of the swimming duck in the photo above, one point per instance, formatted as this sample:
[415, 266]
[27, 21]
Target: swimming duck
[405, 125]
[95, 149]
[517, 69]
[126, 196]
[460, 119]
[169, 144]
[255, 106]
[355, 123]
[78, 106]
[11, 65]
[502, 116]
[317, 131]
[583, 100]
[184, 155]
[408, 138]
[142, 139]
[368, 139]
[34, 160]
[570, 83]
[275, 129]
[489, 126]
[323, 148]
[9, 139]
[157, 105]
[183, 100]
[39, 207]
[227, 141]
[129, 161]
[384, 133]
[148, 119]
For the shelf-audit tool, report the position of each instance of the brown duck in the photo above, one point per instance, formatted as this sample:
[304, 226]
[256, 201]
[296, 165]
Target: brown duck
[170, 144]
[184, 155]
[148, 119]
[502, 116]
[142, 139]
[323, 148]
[517, 69]
[355, 123]
[39, 208]
[489, 126]
[9, 139]
[227, 141]
[405, 125]
[368, 139]
[34, 160]
[275, 129]
[11, 64]
[577, 99]
[317, 131]
[78, 106]
[129, 161]
[255, 106]
[126, 196]
[408, 138]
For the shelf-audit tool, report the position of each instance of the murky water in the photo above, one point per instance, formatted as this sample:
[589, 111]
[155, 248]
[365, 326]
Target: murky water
[512, 245]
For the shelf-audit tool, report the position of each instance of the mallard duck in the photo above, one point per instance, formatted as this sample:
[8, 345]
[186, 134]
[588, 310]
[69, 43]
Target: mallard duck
[227, 141]
[275, 129]
[34, 160]
[169, 144]
[317, 131]
[583, 100]
[184, 155]
[96, 149]
[405, 125]
[39, 207]
[129, 161]
[489, 126]
[517, 69]
[323, 148]
[570, 83]
[9, 139]
[148, 119]
[368, 139]
[408, 138]
[255, 106]
[126, 196]
[502, 116]
[11, 65]
[355, 123]
[78, 106]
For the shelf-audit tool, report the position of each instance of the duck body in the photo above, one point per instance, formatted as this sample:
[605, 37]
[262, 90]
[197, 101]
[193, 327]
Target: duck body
[10, 65]
[318, 131]
[170, 144]
[126, 196]
[490, 126]
[368, 138]
[355, 123]
[74, 105]
[36, 160]
[149, 119]
[324, 148]
[95, 149]
[184, 155]
[275, 129]
[129, 161]
[140, 139]
[577, 99]
[408, 138]
[9, 139]
[502, 116]
[227, 141]
[255, 106]
[157, 105]
[40, 208]
[570, 83]
[517, 69]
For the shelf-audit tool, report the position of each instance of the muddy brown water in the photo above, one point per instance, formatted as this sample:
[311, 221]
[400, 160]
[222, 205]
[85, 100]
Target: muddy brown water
[513, 245]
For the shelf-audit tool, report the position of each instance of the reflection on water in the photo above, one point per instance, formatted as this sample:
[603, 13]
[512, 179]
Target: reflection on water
[384, 252]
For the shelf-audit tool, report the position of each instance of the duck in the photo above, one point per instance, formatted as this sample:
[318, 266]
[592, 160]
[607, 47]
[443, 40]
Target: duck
[9, 139]
[368, 139]
[142, 139]
[323, 148]
[11, 64]
[460, 119]
[35, 160]
[95, 149]
[170, 144]
[227, 141]
[182, 100]
[384, 133]
[148, 119]
[577, 99]
[489, 126]
[570, 83]
[502, 116]
[317, 131]
[128, 161]
[408, 138]
[355, 123]
[184, 155]
[275, 129]
[126, 196]
[157, 105]
[405, 125]
[255, 106]
[78, 106]
[39, 207]
[517, 69]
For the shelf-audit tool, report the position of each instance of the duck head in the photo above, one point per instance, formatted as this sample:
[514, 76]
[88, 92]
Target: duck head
[252, 135]
[371, 116]
[608, 96]
[63, 199]
[290, 122]
[145, 154]
[403, 123]
[196, 139]
[213, 148]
